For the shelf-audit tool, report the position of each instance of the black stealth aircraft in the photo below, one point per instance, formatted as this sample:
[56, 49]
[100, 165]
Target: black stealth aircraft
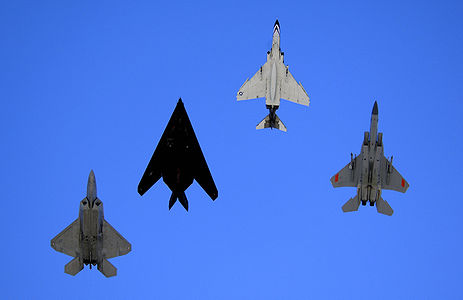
[178, 159]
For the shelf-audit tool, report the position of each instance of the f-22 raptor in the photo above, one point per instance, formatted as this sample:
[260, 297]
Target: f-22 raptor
[90, 239]
[178, 159]
[371, 172]
[274, 82]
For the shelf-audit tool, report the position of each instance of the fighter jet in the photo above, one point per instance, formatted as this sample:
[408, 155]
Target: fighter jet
[273, 81]
[178, 159]
[90, 239]
[371, 172]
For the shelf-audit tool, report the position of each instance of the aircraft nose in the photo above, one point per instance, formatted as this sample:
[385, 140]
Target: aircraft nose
[375, 109]
[91, 176]
[91, 186]
[276, 26]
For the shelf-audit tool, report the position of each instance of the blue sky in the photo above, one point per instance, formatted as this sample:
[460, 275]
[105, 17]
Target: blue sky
[91, 85]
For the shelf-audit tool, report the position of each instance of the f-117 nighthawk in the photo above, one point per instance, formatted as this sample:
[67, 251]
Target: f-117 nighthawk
[178, 159]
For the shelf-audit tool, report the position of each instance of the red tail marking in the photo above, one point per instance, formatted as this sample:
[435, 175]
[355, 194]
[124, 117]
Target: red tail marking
[337, 177]
[403, 182]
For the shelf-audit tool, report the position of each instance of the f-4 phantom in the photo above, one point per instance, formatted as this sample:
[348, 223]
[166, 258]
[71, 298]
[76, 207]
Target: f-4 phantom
[274, 82]
[178, 159]
[90, 239]
[371, 172]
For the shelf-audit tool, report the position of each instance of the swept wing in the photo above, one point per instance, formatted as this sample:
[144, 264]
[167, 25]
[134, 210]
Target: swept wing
[67, 241]
[293, 91]
[255, 87]
[114, 244]
[348, 176]
[391, 178]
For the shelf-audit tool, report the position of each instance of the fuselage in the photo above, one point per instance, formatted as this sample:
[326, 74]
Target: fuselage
[369, 186]
[178, 162]
[178, 174]
[91, 218]
[275, 68]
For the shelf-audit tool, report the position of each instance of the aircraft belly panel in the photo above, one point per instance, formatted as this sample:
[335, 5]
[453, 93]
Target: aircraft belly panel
[273, 81]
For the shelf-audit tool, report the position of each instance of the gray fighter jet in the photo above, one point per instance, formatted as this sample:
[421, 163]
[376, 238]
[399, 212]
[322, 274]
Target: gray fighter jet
[370, 172]
[274, 82]
[178, 159]
[90, 239]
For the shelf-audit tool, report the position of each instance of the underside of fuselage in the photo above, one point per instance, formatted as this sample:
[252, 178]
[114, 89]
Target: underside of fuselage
[91, 223]
[369, 194]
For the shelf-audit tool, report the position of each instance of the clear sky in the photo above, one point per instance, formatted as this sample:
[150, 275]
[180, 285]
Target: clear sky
[91, 85]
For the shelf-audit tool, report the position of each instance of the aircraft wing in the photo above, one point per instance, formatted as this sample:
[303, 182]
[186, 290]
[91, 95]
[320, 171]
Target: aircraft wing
[67, 241]
[391, 178]
[255, 87]
[348, 176]
[153, 171]
[114, 243]
[203, 176]
[293, 91]
[201, 170]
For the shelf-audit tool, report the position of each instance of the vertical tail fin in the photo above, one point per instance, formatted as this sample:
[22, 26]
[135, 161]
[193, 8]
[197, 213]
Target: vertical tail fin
[172, 200]
[107, 268]
[383, 207]
[181, 198]
[352, 204]
[265, 123]
[73, 267]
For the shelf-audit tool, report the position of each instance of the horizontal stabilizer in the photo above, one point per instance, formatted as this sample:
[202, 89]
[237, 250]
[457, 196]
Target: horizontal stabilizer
[383, 207]
[265, 123]
[351, 205]
[73, 267]
[107, 268]
[279, 125]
